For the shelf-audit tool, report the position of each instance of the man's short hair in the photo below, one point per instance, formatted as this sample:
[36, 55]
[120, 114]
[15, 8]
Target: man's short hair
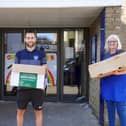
[30, 31]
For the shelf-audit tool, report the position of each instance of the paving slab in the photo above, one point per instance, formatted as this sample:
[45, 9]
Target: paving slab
[55, 114]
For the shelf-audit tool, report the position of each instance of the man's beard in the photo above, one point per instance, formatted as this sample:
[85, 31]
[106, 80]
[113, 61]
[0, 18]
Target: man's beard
[30, 46]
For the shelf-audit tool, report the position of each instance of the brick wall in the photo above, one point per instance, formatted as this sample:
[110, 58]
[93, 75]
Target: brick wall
[94, 83]
[116, 23]
[123, 25]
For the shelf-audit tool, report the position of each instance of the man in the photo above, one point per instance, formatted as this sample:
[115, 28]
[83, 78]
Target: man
[32, 56]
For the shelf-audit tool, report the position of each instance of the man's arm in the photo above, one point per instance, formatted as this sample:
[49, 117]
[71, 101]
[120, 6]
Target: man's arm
[16, 59]
[44, 62]
[46, 69]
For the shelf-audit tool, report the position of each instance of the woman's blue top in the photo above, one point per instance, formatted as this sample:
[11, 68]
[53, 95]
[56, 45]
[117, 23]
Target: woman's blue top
[113, 87]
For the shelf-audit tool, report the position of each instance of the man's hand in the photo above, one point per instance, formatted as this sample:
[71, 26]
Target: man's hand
[46, 69]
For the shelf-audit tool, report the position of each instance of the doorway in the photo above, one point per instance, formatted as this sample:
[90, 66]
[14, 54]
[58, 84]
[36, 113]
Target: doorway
[73, 48]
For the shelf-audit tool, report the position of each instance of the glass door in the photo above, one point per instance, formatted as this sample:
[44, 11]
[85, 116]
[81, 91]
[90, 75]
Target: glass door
[12, 43]
[73, 44]
[47, 41]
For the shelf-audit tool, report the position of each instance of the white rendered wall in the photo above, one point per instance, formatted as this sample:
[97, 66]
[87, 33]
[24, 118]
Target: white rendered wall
[58, 3]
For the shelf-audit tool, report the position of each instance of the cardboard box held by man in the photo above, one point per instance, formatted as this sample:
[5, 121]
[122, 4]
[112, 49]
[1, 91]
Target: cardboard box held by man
[30, 76]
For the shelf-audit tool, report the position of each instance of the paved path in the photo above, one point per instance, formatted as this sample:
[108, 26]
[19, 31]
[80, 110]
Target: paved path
[55, 114]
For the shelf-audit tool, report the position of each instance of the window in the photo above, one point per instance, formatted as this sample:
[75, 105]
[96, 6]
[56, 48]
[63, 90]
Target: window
[94, 49]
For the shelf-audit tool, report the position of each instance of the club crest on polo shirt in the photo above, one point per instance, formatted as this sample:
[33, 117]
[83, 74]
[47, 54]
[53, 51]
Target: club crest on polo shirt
[36, 57]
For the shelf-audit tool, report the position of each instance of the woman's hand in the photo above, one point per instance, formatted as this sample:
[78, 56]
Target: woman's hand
[115, 72]
[119, 72]
[104, 75]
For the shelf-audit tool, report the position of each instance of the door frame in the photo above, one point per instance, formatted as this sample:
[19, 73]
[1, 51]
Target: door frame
[85, 60]
[60, 61]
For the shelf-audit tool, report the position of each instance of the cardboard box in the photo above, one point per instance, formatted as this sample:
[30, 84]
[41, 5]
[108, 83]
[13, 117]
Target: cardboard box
[106, 67]
[31, 76]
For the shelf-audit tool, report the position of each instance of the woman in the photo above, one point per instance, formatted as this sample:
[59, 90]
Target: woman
[113, 87]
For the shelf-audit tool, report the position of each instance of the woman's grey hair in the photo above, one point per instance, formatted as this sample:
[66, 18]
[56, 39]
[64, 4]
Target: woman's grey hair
[112, 37]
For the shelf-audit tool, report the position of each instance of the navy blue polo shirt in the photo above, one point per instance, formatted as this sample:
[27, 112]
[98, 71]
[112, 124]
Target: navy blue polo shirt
[113, 87]
[36, 57]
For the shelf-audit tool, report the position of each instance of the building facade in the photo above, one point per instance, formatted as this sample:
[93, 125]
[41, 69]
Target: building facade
[68, 31]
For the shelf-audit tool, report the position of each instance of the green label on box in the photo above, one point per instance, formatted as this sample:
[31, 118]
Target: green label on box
[28, 80]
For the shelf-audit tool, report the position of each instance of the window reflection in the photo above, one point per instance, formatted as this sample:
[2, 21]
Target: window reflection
[73, 41]
[13, 43]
